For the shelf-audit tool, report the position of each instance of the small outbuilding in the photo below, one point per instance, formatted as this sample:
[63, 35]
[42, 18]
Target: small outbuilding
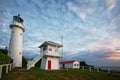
[70, 64]
[51, 54]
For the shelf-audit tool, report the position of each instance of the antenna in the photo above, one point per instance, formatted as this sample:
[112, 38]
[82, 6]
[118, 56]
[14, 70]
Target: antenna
[62, 43]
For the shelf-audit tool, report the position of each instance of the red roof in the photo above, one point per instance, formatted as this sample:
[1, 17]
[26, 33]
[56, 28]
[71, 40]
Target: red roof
[66, 62]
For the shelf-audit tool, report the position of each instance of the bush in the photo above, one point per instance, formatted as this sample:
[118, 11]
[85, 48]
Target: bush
[24, 61]
[4, 59]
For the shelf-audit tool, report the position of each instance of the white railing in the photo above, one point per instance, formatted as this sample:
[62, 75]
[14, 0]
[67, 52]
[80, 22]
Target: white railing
[108, 70]
[33, 62]
[8, 68]
[56, 54]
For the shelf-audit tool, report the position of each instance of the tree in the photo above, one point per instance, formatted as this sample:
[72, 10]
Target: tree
[4, 51]
[83, 63]
[4, 59]
[24, 61]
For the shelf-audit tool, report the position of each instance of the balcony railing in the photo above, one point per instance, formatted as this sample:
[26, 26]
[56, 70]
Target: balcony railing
[53, 54]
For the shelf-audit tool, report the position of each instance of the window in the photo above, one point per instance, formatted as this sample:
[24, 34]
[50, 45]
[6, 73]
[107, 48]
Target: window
[50, 49]
[77, 64]
[44, 48]
[20, 53]
[21, 34]
[56, 50]
[74, 64]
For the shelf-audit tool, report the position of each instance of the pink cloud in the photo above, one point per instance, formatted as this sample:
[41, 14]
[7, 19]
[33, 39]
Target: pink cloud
[114, 55]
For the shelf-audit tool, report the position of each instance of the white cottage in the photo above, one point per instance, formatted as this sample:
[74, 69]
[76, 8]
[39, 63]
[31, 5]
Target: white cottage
[49, 51]
[70, 64]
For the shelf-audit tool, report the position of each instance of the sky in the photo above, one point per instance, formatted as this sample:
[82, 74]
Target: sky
[90, 28]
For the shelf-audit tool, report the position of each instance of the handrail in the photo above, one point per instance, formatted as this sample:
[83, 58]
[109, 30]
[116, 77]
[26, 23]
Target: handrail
[8, 68]
[32, 63]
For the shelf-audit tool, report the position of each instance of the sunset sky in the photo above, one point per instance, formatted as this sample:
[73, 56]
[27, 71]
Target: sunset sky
[90, 28]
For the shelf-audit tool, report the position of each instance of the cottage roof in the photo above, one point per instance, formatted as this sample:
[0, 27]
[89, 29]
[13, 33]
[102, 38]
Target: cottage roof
[50, 43]
[66, 62]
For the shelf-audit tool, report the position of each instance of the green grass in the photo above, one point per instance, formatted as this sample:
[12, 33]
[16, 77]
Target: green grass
[70, 74]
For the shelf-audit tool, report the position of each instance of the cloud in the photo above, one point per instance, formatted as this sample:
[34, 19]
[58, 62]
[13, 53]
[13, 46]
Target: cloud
[108, 48]
[110, 4]
[114, 55]
[113, 26]
[93, 0]
[81, 13]
[109, 43]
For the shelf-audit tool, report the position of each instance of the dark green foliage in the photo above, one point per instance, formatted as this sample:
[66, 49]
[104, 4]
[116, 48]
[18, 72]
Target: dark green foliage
[4, 59]
[38, 63]
[83, 63]
[24, 61]
[4, 51]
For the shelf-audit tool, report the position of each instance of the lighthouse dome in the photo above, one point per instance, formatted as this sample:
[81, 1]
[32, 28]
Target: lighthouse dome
[17, 22]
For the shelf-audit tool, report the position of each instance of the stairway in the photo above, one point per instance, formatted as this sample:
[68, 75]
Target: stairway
[32, 62]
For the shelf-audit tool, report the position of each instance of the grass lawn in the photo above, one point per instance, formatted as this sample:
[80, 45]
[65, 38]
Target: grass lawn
[70, 74]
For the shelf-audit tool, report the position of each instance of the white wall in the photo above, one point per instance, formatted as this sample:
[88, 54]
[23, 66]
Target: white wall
[54, 49]
[43, 63]
[76, 64]
[54, 63]
[15, 46]
[70, 65]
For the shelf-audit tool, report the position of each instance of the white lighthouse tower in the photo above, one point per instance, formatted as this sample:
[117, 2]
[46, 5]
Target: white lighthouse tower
[15, 46]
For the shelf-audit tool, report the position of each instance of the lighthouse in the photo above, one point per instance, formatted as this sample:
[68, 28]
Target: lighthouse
[15, 46]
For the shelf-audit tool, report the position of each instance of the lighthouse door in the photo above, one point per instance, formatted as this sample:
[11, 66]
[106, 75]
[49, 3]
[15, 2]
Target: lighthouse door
[49, 64]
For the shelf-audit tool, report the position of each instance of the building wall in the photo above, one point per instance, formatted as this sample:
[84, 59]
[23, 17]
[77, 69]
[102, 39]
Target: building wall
[43, 63]
[15, 46]
[70, 65]
[54, 63]
[52, 49]
[76, 64]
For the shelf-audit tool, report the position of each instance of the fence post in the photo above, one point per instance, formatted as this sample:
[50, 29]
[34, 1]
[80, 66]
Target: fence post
[108, 71]
[7, 68]
[0, 71]
[90, 68]
[10, 66]
[82, 67]
[97, 69]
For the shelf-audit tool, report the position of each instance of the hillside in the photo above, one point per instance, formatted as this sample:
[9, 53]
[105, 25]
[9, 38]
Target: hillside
[63, 74]
[4, 59]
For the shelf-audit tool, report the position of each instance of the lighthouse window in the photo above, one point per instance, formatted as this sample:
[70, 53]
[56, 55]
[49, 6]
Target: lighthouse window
[21, 34]
[20, 53]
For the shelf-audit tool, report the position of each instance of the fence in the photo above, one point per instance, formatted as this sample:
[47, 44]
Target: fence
[97, 69]
[8, 67]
